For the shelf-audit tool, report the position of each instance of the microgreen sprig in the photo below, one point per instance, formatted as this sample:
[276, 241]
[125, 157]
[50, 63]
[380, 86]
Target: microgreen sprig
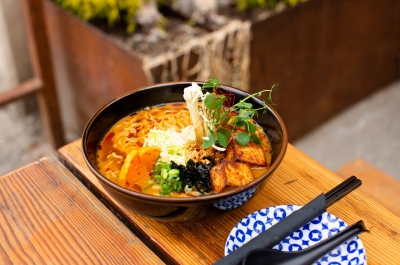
[224, 119]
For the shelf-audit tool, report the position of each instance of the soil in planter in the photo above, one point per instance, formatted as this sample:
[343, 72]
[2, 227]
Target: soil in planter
[154, 42]
[178, 31]
[217, 47]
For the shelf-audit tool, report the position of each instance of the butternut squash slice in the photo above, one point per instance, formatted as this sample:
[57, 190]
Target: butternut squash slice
[136, 177]
[137, 167]
[148, 156]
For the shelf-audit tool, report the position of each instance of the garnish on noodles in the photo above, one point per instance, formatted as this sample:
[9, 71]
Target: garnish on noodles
[194, 148]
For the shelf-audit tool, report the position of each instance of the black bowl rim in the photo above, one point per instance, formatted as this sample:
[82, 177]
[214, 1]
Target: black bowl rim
[185, 200]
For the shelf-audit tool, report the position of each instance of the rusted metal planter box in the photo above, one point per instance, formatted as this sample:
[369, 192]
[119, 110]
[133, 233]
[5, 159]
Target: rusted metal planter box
[324, 54]
[90, 68]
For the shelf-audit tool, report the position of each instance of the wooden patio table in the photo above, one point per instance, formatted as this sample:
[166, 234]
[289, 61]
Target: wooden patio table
[296, 181]
[48, 217]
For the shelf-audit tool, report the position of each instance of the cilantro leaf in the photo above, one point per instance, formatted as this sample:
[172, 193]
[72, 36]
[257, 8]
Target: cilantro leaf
[225, 132]
[214, 102]
[243, 138]
[238, 122]
[244, 105]
[222, 119]
[255, 139]
[250, 127]
[222, 139]
[225, 117]
[246, 114]
[209, 142]
[213, 83]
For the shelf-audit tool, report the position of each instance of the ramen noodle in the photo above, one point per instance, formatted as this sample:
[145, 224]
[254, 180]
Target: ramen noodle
[128, 140]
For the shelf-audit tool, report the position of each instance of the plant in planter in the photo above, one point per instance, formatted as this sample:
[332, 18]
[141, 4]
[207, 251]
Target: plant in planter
[121, 49]
[130, 11]
[314, 51]
[192, 40]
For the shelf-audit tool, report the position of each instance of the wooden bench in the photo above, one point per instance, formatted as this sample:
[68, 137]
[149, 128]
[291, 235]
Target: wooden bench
[377, 184]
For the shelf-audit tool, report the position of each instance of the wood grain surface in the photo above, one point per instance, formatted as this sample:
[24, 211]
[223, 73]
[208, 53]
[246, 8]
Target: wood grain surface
[377, 184]
[296, 181]
[48, 217]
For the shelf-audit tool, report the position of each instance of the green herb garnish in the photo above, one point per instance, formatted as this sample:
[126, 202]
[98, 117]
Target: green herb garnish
[225, 118]
[173, 177]
[167, 178]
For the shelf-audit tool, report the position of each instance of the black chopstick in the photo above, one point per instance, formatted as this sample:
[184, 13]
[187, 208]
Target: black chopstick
[342, 190]
[297, 219]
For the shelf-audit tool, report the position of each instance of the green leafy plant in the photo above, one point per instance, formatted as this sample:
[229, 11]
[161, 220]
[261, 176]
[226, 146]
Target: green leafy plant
[126, 10]
[225, 118]
[111, 10]
[244, 5]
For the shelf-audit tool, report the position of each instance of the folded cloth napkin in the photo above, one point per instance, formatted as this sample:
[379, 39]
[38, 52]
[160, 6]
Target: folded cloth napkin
[279, 231]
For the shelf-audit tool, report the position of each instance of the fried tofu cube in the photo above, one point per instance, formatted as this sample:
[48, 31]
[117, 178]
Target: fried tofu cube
[218, 177]
[237, 174]
[252, 153]
[230, 173]
[230, 152]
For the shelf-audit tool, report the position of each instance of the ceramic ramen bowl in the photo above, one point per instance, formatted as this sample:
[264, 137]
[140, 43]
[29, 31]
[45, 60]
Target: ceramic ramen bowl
[172, 209]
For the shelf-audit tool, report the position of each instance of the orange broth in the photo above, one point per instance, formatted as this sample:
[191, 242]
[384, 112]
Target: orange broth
[130, 132]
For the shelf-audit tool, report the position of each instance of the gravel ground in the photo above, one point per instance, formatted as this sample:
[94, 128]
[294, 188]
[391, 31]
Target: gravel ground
[22, 139]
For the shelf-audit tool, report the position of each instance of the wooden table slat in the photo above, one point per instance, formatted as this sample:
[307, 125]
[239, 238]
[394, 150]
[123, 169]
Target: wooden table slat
[296, 181]
[49, 217]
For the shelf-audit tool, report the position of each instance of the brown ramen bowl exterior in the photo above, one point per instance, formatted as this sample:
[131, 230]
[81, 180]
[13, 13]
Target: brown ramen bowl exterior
[177, 209]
